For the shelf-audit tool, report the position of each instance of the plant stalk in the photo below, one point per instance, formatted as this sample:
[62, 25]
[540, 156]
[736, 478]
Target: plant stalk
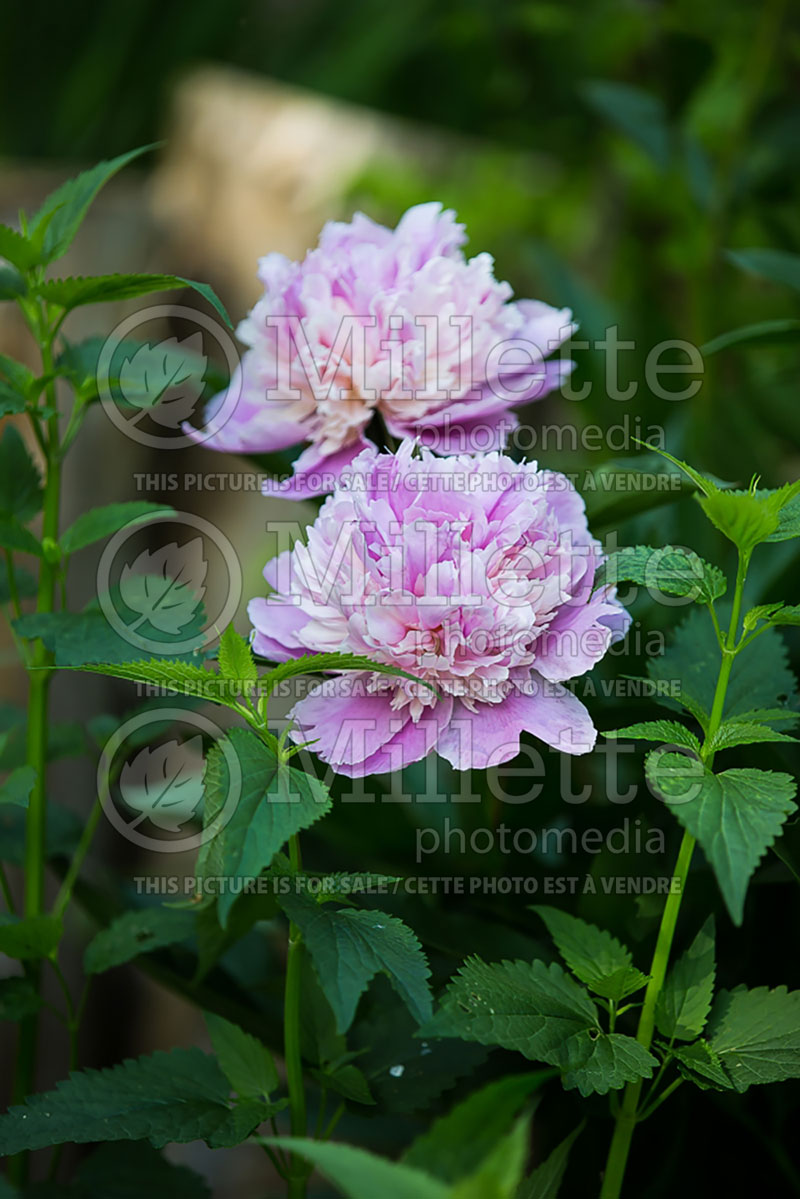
[298, 1171]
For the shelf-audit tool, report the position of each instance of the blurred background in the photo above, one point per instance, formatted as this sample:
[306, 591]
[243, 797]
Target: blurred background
[608, 155]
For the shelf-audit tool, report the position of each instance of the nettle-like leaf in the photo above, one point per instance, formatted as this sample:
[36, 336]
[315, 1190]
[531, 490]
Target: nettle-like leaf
[164, 783]
[598, 1064]
[245, 1061]
[525, 1006]
[316, 663]
[593, 955]
[74, 292]
[54, 226]
[99, 523]
[685, 1000]
[545, 1181]
[760, 677]
[669, 570]
[669, 732]
[773, 614]
[735, 815]
[138, 932]
[177, 1096]
[756, 1035]
[235, 658]
[361, 1175]
[30, 937]
[275, 802]
[700, 1064]
[20, 485]
[17, 249]
[348, 948]
[171, 674]
[458, 1142]
[742, 516]
[745, 732]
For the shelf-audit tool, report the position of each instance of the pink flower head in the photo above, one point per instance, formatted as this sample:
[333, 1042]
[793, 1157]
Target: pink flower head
[390, 321]
[472, 573]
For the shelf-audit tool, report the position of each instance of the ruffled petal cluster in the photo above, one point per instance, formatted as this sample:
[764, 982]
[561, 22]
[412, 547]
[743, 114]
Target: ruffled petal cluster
[473, 574]
[389, 323]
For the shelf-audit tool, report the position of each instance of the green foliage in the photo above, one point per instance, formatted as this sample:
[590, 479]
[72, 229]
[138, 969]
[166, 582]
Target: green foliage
[669, 570]
[186, 1100]
[276, 801]
[756, 1035]
[500, 1173]
[348, 948]
[99, 523]
[361, 1175]
[246, 1063]
[735, 815]
[668, 732]
[129, 1171]
[63, 212]
[598, 1064]
[778, 266]
[545, 1181]
[185, 678]
[637, 113]
[236, 662]
[458, 1142]
[685, 1000]
[18, 998]
[18, 786]
[701, 1065]
[745, 732]
[593, 955]
[73, 293]
[312, 663]
[30, 937]
[137, 932]
[760, 334]
[20, 486]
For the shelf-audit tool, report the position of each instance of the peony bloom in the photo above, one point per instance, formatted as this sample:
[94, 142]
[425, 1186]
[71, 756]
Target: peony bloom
[473, 573]
[390, 321]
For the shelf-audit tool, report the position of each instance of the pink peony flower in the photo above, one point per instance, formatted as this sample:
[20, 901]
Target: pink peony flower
[473, 573]
[390, 321]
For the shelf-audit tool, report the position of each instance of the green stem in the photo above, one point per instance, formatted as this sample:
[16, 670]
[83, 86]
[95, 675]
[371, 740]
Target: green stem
[70, 878]
[39, 686]
[630, 1113]
[298, 1171]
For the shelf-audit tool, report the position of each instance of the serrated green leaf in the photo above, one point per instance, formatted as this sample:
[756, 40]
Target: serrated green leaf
[17, 249]
[669, 570]
[99, 523]
[130, 1171]
[704, 484]
[361, 1175]
[245, 1061]
[534, 1009]
[173, 675]
[17, 374]
[742, 516]
[788, 522]
[18, 786]
[177, 1096]
[764, 333]
[773, 614]
[12, 402]
[592, 954]
[700, 1064]
[669, 732]
[235, 658]
[30, 937]
[134, 933]
[778, 266]
[54, 226]
[458, 1142]
[760, 677]
[74, 292]
[276, 801]
[348, 948]
[756, 1035]
[20, 485]
[347, 1081]
[545, 1181]
[595, 1064]
[742, 732]
[685, 1000]
[735, 815]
